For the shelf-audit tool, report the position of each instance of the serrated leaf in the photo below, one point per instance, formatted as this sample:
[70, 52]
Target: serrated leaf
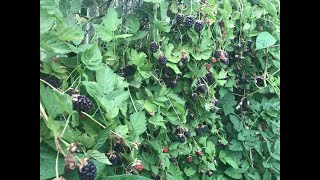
[233, 173]
[265, 40]
[138, 122]
[69, 33]
[231, 162]
[92, 58]
[48, 162]
[54, 102]
[51, 42]
[174, 67]
[210, 149]
[237, 124]
[136, 58]
[99, 156]
[269, 6]
[122, 130]
[102, 137]
[228, 101]
[111, 20]
[132, 24]
[104, 33]
[189, 171]
[157, 120]
[138, 35]
[235, 145]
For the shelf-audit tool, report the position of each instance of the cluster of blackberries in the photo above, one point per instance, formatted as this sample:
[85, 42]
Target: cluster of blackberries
[118, 147]
[222, 55]
[169, 77]
[182, 133]
[199, 129]
[53, 81]
[115, 160]
[162, 60]
[189, 21]
[81, 103]
[154, 47]
[127, 71]
[88, 172]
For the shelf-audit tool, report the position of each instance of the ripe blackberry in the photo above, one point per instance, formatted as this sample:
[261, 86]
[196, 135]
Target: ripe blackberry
[178, 130]
[53, 81]
[194, 97]
[157, 177]
[186, 133]
[118, 147]
[181, 138]
[127, 71]
[82, 103]
[217, 54]
[162, 60]
[209, 78]
[209, 173]
[88, 172]
[179, 18]
[198, 130]
[198, 26]
[203, 1]
[225, 53]
[115, 160]
[239, 46]
[189, 21]
[202, 88]
[154, 47]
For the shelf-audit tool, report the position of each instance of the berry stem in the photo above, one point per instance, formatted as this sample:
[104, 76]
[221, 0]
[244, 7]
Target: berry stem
[65, 127]
[57, 169]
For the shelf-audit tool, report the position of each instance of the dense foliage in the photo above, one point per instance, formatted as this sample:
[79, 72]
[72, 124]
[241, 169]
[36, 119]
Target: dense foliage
[169, 90]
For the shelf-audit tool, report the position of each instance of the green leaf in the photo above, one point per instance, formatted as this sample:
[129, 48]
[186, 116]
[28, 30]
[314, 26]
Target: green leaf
[99, 156]
[123, 177]
[228, 101]
[138, 122]
[49, 41]
[237, 124]
[122, 36]
[54, 102]
[70, 33]
[157, 120]
[267, 175]
[122, 130]
[154, 1]
[233, 173]
[235, 145]
[138, 35]
[176, 98]
[265, 40]
[52, 8]
[210, 149]
[132, 24]
[103, 32]
[48, 162]
[138, 59]
[111, 20]
[102, 137]
[231, 162]
[174, 67]
[92, 58]
[269, 6]
[189, 171]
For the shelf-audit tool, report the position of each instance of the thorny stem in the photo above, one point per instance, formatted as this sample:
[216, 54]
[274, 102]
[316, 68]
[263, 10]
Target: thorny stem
[93, 119]
[116, 134]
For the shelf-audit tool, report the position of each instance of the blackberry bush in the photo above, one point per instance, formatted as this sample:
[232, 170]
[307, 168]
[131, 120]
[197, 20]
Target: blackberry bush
[198, 107]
